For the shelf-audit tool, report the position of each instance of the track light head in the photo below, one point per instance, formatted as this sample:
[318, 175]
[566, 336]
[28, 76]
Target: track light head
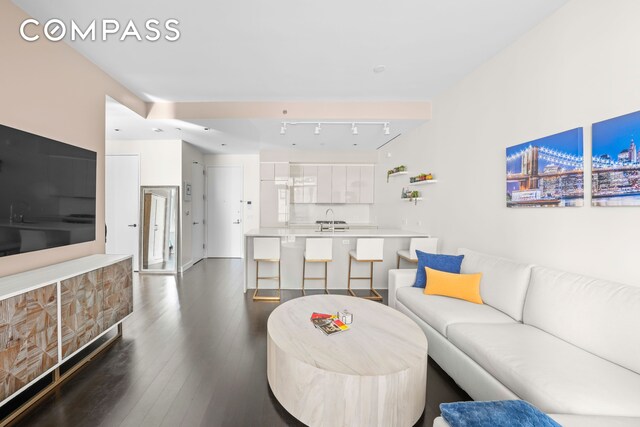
[386, 129]
[354, 129]
[317, 130]
[283, 129]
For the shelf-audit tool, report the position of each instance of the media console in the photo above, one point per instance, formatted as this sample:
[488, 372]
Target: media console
[50, 314]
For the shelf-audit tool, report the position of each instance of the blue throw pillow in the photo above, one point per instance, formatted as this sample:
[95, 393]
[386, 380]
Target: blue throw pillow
[447, 263]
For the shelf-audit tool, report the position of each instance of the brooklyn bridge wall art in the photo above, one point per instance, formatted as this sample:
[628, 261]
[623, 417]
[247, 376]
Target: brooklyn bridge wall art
[616, 162]
[547, 172]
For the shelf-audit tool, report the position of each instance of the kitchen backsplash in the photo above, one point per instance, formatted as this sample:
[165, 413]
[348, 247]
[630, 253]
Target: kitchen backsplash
[310, 213]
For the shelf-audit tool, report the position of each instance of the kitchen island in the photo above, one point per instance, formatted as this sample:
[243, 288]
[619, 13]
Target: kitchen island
[292, 251]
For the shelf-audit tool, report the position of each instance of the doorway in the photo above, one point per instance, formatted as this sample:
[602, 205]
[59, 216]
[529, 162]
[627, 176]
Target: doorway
[225, 196]
[159, 232]
[122, 205]
[197, 207]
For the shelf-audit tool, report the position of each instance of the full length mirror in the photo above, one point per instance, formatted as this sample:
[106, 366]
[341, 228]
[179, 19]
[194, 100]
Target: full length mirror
[159, 231]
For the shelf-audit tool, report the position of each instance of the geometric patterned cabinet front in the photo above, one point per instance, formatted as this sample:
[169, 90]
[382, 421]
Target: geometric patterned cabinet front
[118, 292]
[93, 302]
[81, 315]
[28, 337]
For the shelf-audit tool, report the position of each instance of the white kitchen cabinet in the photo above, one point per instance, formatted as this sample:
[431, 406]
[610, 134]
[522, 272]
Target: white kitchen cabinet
[267, 171]
[310, 186]
[367, 179]
[281, 171]
[297, 180]
[324, 184]
[274, 203]
[338, 184]
[353, 184]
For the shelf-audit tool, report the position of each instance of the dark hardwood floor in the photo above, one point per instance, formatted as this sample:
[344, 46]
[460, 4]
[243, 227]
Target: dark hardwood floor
[193, 353]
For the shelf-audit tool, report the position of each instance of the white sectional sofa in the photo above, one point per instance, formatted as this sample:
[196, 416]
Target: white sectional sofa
[566, 343]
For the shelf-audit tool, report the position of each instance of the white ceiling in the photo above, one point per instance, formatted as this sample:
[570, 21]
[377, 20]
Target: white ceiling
[244, 136]
[300, 49]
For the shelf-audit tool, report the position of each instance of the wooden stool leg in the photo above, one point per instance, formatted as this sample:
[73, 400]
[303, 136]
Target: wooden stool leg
[326, 289]
[279, 281]
[255, 293]
[304, 266]
[349, 280]
[398, 266]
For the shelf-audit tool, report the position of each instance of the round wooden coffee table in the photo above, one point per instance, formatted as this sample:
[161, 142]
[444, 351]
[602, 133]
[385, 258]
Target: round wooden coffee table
[374, 374]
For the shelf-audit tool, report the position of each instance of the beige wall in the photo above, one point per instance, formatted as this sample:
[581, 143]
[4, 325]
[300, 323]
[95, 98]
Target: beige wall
[577, 67]
[49, 89]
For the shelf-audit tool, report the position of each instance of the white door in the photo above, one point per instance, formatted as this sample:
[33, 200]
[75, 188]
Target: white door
[157, 229]
[224, 212]
[122, 205]
[197, 207]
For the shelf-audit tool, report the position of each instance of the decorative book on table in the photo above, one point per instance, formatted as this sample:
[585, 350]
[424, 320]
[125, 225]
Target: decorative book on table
[328, 323]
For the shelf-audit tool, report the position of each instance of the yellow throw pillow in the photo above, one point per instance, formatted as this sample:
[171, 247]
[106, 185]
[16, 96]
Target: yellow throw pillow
[461, 286]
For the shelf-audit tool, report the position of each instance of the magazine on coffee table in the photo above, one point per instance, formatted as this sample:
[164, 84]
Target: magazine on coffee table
[328, 323]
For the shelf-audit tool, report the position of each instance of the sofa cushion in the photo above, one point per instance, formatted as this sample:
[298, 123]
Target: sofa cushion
[554, 375]
[440, 312]
[441, 262]
[601, 317]
[504, 282]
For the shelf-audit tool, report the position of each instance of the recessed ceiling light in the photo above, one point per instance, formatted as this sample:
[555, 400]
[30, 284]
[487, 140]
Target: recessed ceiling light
[117, 130]
[293, 143]
[355, 145]
[178, 128]
[157, 130]
[379, 69]
[207, 129]
[223, 145]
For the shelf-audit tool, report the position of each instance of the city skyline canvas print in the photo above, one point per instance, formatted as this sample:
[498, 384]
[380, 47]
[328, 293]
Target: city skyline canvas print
[547, 172]
[616, 162]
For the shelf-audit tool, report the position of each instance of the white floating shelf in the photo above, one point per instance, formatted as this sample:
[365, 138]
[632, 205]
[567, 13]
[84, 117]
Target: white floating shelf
[398, 173]
[426, 181]
[414, 199]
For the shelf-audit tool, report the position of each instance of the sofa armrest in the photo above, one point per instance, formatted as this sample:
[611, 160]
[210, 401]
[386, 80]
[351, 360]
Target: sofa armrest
[399, 279]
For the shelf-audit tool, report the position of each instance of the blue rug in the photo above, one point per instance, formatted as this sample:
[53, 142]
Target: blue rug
[502, 413]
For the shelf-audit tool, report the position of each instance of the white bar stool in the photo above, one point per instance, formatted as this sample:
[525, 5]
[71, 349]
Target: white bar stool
[424, 244]
[367, 250]
[266, 249]
[317, 250]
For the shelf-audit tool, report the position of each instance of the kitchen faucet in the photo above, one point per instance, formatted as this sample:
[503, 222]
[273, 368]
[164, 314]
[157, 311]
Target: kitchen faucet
[333, 218]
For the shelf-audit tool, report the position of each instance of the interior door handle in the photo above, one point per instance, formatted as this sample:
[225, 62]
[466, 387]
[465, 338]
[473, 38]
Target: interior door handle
[133, 225]
[196, 223]
[236, 222]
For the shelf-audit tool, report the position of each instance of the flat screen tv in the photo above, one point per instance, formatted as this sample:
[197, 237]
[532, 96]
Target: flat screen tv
[47, 193]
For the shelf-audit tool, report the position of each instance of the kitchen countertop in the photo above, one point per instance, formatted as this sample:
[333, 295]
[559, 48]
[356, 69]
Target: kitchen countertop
[306, 232]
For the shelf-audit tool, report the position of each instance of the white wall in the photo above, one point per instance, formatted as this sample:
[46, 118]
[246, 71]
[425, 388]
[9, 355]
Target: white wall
[250, 164]
[577, 67]
[165, 162]
[160, 162]
[190, 155]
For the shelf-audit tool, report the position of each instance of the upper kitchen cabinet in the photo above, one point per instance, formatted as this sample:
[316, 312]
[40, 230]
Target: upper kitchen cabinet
[338, 184]
[297, 187]
[310, 184]
[267, 172]
[353, 184]
[367, 179]
[274, 171]
[324, 184]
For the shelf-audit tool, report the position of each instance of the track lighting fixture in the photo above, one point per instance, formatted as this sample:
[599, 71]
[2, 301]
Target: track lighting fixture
[318, 126]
